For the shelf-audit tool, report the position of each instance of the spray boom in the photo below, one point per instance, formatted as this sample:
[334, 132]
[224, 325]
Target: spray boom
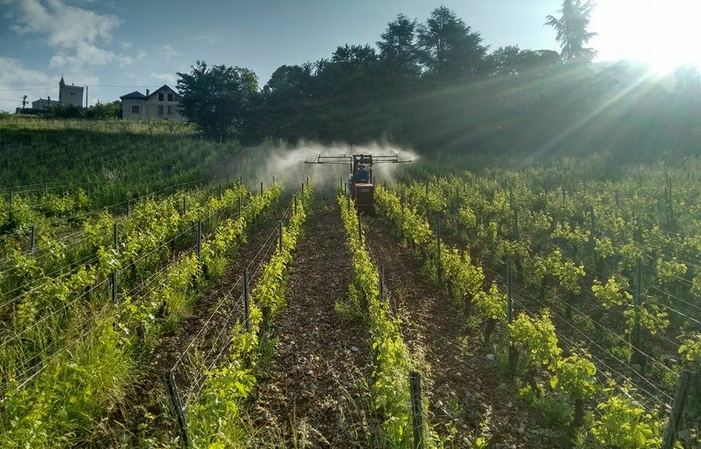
[360, 183]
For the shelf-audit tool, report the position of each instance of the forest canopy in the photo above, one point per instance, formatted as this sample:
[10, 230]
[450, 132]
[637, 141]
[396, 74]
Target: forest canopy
[435, 86]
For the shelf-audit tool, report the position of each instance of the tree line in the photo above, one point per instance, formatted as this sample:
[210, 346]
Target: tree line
[435, 86]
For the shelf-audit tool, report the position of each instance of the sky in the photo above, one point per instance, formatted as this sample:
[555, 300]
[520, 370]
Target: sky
[115, 47]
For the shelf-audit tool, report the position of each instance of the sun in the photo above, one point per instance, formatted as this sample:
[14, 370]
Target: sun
[664, 34]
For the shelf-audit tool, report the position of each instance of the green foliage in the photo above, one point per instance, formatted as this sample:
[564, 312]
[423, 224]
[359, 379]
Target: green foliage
[574, 375]
[459, 278]
[414, 228]
[448, 47]
[491, 303]
[76, 385]
[625, 424]
[566, 271]
[66, 324]
[215, 419]
[538, 337]
[217, 99]
[613, 293]
[690, 348]
[572, 31]
[391, 364]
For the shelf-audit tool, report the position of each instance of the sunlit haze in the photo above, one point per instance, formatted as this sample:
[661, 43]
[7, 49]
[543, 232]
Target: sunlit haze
[661, 33]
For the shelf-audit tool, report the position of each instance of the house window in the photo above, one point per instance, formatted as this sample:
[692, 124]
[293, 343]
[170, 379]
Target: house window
[170, 97]
[160, 97]
[170, 109]
[135, 109]
[160, 109]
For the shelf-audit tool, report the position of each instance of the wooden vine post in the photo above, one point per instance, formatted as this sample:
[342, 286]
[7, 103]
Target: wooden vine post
[439, 268]
[401, 207]
[417, 416]
[381, 282]
[360, 231]
[246, 299]
[671, 433]
[517, 237]
[113, 275]
[513, 354]
[279, 233]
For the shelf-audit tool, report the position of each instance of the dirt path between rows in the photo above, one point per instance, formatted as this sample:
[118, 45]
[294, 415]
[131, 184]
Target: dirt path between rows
[467, 395]
[315, 393]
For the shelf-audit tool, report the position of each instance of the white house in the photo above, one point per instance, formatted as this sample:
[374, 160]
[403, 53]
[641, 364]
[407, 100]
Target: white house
[162, 104]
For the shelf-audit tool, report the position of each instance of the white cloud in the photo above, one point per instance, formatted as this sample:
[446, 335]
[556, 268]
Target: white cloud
[209, 39]
[168, 51]
[17, 81]
[164, 78]
[82, 53]
[74, 32]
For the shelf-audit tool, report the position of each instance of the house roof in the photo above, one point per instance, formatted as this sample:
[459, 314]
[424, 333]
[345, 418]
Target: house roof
[136, 95]
[160, 89]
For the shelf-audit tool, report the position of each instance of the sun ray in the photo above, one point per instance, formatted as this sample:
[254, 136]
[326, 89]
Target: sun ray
[661, 33]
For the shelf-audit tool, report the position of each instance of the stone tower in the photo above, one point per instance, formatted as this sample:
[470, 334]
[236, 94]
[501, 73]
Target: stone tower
[70, 95]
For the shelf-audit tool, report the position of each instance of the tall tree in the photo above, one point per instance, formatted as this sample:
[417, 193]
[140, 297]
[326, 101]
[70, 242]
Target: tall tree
[288, 98]
[217, 99]
[398, 49]
[354, 56]
[512, 61]
[572, 33]
[349, 86]
[448, 47]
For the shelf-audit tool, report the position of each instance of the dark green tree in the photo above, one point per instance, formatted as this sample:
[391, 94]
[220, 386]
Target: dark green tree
[354, 57]
[218, 100]
[398, 50]
[289, 98]
[512, 61]
[572, 33]
[449, 49]
[100, 110]
[347, 87]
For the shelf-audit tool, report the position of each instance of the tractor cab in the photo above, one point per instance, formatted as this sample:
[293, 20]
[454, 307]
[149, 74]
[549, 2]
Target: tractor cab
[360, 186]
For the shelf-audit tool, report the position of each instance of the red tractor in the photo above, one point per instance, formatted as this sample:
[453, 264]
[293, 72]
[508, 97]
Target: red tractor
[361, 182]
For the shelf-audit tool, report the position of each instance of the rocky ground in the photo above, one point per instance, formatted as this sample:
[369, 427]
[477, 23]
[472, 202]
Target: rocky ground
[315, 393]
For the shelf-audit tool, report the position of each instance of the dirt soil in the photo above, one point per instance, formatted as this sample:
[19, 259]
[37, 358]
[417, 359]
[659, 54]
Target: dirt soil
[315, 393]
